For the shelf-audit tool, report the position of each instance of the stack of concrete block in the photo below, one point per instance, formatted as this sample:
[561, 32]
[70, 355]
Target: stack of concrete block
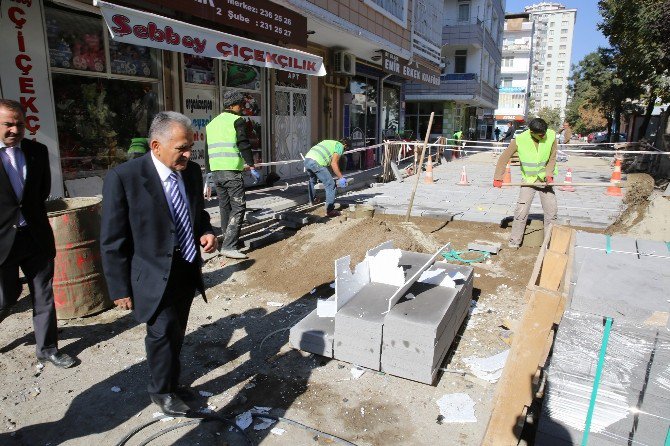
[418, 331]
[359, 326]
[633, 395]
[314, 334]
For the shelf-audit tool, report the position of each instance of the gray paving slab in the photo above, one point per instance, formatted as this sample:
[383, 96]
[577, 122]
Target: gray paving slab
[653, 247]
[314, 334]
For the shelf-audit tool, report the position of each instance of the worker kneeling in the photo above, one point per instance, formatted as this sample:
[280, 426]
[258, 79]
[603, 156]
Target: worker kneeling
[536, 148]
[319, 157]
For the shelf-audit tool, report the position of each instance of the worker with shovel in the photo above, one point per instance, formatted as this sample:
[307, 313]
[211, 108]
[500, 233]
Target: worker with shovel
[324, 154]
[537, 149]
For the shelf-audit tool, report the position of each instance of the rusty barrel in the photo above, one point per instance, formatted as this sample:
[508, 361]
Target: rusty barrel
[79, 285]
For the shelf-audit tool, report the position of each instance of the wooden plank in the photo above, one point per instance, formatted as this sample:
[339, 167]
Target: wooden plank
[565, 287]
[553, 270]
[560, 239]
[515, 390]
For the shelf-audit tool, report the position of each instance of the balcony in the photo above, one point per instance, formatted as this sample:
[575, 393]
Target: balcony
[453, 84]
[463, 33]
[516, 48]
[458, 77]
[525, 26]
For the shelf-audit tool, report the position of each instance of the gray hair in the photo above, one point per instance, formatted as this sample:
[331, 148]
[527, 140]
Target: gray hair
[161, 125]
[12, 105]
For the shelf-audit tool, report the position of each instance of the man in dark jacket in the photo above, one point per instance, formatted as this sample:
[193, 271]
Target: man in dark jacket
[153, 225]
[228, 154]
[26, 239]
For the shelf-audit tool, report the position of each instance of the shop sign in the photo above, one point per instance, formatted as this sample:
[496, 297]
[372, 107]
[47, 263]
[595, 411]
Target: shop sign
[295, 80]
[200, 106]
[509, 117]
[512, 90]
[141, 28]
[259, 17]
[412, 71]
[24, 75]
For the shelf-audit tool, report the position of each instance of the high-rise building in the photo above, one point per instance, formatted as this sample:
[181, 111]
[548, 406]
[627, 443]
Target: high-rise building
[468, 93]
[552, 50]
[515, 71]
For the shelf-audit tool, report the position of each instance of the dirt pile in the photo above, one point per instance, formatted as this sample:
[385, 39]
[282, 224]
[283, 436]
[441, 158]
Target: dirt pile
[307, 258]
[639, 186]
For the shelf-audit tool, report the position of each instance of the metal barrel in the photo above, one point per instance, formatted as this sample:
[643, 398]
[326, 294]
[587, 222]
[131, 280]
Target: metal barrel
[79, 285]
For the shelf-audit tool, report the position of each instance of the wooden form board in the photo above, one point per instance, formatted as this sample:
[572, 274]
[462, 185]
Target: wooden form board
[533, 338]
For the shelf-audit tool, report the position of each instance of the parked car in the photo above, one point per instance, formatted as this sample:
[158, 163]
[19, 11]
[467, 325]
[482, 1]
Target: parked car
[601, 137]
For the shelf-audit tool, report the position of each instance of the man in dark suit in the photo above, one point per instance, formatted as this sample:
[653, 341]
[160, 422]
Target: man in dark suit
[26, 239]
[153, 222]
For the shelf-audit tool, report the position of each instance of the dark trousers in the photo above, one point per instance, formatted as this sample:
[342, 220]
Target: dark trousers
[166, 328]
[232, 204]
[39, 271]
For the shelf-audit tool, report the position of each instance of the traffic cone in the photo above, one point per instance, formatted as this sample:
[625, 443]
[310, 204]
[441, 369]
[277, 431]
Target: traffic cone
[464, 178]
[614, 189]
[508, 174]
[428, 179]
[568, 182]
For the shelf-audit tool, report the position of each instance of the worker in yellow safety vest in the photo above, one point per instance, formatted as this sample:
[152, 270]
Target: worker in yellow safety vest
[324, 154]
[458, 135]
[536, 148]
[228, 154]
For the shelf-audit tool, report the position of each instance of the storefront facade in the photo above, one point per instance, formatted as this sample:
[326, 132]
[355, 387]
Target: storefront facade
[105, 91]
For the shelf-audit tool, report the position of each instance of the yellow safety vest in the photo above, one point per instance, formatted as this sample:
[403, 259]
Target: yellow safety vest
[534, 160]
[323, 152]
[222, 143]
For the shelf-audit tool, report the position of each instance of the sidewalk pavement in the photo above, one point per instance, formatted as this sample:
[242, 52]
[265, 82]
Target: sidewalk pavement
[478, 202]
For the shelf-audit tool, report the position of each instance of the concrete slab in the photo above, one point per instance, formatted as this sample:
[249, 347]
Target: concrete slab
[653, 247]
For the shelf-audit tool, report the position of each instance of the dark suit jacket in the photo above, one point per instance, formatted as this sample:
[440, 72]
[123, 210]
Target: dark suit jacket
[35, 192]
[137, 235]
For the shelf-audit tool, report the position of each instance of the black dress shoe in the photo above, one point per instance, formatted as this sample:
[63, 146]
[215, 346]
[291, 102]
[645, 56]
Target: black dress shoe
[170, 404]
[62, 360]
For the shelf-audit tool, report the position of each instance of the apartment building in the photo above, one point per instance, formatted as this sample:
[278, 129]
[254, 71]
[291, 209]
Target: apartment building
[552, 51]
[515, 71]
[468, 92]
[308, 69]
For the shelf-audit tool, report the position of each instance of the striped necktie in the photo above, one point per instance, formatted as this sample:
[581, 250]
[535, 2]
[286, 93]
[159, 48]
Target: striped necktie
[182, 221]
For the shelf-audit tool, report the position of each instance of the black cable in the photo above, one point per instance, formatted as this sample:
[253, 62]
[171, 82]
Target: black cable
[133, 432]
[169, 429]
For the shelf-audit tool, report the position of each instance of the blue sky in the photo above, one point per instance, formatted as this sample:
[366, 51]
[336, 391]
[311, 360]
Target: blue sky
[587, 36]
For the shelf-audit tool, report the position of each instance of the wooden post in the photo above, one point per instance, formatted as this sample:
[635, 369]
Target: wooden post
[418, 169]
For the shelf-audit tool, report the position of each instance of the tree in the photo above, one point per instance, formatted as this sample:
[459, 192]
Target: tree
[552, 116]
[639, 33]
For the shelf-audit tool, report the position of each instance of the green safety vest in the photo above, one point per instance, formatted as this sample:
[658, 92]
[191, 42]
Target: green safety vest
[534, 160]
[138, 146]
[222, 143]
[458, 135]
[323, 152]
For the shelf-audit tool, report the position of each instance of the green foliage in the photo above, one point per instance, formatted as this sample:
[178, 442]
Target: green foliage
[552, 116]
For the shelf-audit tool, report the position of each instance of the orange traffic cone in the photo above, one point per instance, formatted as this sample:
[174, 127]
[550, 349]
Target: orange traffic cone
[508, 174]
[464, 178]
[428, 179]
[614, 189]
[568, 182]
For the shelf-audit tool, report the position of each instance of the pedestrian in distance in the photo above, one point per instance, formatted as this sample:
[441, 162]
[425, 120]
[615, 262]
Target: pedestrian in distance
[536, 148]
[317, 160]
[26, 238]
[153, 226]
[496, 132]
[228, 154]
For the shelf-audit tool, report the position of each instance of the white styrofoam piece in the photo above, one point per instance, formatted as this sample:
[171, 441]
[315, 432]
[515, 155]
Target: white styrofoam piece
[408, 284]
[437, 277]
[347, 284]
[326, 307]
[457, 408]
[384, 267]
[373, 252]
[488, 369]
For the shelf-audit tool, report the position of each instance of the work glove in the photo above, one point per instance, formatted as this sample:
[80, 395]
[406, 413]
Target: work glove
[256, 174]
[342, 182]
[550, 179]
[497, 183]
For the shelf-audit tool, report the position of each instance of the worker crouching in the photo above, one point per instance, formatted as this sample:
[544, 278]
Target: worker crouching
[324, 154]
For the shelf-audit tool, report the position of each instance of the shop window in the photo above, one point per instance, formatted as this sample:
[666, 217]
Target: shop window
[96, 119]
[199, 70]
[363, 111]
[391, 111]
[105, 92]
[245, 77]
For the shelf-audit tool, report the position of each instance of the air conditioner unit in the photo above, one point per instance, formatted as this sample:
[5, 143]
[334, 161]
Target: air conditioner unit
[344, 63]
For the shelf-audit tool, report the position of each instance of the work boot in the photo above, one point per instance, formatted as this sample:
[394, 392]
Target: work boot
[333, 213]
[233, 254]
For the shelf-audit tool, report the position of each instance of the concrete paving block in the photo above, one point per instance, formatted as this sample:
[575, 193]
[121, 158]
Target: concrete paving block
[621, 286]
[314, 334]
[653, 247]
[599, 241]
[266, 238]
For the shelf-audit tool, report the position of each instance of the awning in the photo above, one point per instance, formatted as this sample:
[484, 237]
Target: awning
[146, 29]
